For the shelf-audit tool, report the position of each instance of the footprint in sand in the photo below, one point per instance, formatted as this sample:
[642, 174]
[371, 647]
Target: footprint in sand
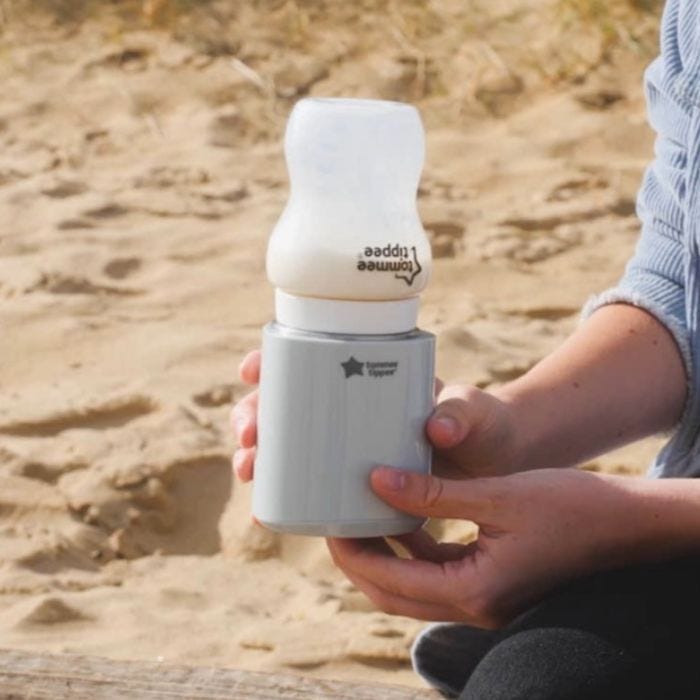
[219, 395]
[93, 215]
[229, 194]
[529, 245]
[111, 210]
[462, 339]
[599, 100]
[57, 283]
[47, 471]
[119, 268]
[226, 128]
[9, 175]
[164, 176]
[61, 189]
[445, 237]
[575, 187]
[624, 207]
[73, 224]
[160, 483]
[57, 557]
[108, 413]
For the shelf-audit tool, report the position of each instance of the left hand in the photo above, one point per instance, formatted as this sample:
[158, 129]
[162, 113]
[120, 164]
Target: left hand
[537, 529]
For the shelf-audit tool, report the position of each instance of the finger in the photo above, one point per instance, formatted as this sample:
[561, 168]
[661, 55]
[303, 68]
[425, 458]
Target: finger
[394, 604]
[244, 463]
[479, 500]
[244, 420]
[414, 579]
[386, 600]
[422, 545]
[451, 422]
[249, 369]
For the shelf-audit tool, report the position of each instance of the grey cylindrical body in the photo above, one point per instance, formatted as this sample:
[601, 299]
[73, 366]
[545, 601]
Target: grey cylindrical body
[333, 407]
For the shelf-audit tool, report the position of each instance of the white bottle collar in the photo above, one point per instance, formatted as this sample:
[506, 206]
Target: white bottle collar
[345, 316]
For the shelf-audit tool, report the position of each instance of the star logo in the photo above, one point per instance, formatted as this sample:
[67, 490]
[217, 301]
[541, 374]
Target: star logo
[352, 367]
[408, 278]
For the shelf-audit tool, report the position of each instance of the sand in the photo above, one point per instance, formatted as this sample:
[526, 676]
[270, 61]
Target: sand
[141, 172]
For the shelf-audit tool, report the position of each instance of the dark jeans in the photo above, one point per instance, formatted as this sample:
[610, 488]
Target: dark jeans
[632, 633]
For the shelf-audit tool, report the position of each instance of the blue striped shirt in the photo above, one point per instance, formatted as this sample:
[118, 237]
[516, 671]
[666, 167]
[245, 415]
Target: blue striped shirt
[663, 276]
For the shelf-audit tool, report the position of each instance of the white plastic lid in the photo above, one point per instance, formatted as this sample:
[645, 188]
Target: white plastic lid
[346, 317]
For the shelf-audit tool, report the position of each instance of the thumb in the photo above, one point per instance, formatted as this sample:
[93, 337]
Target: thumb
[430, 496]
[452, 421]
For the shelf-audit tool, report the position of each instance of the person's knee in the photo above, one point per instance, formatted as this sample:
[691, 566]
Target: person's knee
[556, 664]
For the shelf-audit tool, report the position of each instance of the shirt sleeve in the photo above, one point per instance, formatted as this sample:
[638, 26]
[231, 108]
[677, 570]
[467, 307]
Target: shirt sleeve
[654, 281]
[655, 277]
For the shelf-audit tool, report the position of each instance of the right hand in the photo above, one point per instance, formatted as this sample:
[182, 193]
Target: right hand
[472, 431]
[244, 418]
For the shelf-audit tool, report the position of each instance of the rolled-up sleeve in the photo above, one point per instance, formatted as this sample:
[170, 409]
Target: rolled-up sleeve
[655, 278]
[654, 281]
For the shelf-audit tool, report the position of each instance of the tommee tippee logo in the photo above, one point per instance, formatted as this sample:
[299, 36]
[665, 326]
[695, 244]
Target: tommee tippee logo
[353, 367]
[399, 259]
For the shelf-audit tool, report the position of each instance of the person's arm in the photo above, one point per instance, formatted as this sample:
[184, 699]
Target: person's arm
[618, 378]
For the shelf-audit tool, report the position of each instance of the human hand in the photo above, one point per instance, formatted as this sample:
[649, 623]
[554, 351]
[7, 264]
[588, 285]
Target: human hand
[537, 529]
[472, 431]
[244, 418]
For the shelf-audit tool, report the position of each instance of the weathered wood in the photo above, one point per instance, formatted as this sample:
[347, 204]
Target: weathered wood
[27, 676]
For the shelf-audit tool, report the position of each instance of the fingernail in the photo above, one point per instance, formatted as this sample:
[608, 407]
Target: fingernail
[448, 424]
[238, 456]
[394, 479]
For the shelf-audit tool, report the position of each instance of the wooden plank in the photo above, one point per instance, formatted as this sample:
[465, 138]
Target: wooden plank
[28, 676]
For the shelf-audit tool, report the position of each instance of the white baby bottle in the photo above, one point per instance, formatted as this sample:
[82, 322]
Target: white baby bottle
[347, 378]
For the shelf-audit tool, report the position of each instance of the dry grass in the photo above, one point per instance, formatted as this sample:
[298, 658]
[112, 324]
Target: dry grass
[627, 22]
[598, 8]
[71, 12]
[421, 17]
[631, 23]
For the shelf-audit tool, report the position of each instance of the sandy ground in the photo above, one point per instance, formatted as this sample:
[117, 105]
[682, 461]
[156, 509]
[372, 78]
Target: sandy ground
[140, 175]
